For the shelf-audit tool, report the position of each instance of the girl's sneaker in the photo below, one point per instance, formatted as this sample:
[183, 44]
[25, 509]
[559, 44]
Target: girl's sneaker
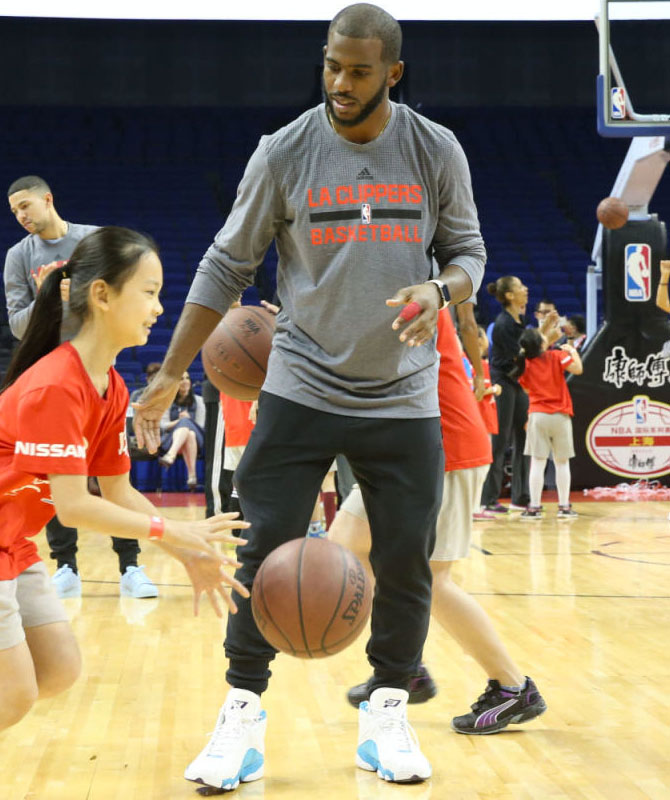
[566, 512]
[499, 707]
[531, 513]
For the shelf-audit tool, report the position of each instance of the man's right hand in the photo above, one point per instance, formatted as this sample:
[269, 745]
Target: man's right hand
[153, 403]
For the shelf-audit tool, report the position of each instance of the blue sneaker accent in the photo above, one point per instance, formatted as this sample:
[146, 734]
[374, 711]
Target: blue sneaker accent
[253, 761]
[368, 752]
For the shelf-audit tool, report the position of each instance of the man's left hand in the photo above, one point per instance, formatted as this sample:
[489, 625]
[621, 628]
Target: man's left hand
[421, 328]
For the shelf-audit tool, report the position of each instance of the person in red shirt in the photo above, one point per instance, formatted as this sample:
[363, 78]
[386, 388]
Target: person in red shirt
[509, 696]
[239, 417]
[62, 418]
[541, 373]
[487, 405]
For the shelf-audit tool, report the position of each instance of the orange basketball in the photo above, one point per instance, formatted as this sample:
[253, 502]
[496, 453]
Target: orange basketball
[235, 356]
[311, 598]
[612, 213]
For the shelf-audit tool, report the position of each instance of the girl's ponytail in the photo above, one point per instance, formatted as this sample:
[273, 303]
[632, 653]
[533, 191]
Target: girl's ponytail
[43, 332]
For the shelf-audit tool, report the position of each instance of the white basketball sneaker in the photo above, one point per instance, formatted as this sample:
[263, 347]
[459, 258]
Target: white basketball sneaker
[235, 751]
[387, 744]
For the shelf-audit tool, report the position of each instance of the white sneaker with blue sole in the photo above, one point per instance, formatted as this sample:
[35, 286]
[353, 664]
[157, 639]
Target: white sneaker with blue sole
[387, 744]
[236, 750]
[66, 582]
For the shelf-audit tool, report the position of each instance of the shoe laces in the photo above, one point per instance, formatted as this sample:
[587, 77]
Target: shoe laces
[136, 574]
[398, 730]
[230, 727]
[486, 699]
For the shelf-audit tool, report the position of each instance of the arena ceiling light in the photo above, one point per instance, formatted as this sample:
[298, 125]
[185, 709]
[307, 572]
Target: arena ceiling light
[474, 10]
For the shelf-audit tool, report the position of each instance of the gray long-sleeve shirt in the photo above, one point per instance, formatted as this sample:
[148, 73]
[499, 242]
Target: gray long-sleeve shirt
[24, 259]
[353, 223]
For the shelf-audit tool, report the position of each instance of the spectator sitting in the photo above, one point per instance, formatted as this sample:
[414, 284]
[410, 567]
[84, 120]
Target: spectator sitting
[149, 372]
[182, 429]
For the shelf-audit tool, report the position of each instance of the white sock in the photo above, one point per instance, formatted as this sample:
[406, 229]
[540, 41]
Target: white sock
[536, 480]
[563, 482]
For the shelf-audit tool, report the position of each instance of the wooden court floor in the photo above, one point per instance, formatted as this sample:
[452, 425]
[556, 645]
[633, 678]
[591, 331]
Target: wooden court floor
[584, 607]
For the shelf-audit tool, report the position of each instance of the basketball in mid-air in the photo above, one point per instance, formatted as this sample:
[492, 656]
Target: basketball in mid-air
[235, 356]
[311, 598]
[612, 213]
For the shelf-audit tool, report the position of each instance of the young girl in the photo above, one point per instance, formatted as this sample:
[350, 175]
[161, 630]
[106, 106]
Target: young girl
[487, 408]
[487, 405]
[541, 373]
[62, 418]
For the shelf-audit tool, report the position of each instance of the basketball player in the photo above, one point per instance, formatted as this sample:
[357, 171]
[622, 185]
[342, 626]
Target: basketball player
[509, 696]
[62, 417]
[359, 194]
[48, 245]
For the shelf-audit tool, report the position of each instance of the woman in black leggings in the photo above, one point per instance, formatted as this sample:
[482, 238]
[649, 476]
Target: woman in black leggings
[512, 402]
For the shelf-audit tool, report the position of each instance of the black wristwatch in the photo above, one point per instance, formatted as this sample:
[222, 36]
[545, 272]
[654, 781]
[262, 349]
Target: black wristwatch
[443, 290]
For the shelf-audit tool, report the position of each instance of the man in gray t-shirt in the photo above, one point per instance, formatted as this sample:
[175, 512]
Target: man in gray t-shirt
[359, 195]
[50, 242]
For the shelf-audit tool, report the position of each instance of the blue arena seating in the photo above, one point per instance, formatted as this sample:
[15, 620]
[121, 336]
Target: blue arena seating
[538, 175]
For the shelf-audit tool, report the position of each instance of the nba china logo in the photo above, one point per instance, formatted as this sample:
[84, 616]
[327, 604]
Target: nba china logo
[638, 273]
[618, 103]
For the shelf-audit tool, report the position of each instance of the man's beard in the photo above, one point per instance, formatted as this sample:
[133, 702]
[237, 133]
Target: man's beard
[372, 105]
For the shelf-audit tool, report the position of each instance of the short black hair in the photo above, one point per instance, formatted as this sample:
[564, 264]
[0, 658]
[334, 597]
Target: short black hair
[366, 21]
[28, 183]
[579, 322]
[544, 302]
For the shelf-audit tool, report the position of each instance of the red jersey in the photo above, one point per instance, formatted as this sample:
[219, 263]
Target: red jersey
[544, 380]
[465, 440]
[237, 425]
[52, 420]
[487, 405]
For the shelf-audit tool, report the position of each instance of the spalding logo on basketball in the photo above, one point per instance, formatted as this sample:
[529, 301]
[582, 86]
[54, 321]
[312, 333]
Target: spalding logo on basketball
[311, 598]
[632, 439]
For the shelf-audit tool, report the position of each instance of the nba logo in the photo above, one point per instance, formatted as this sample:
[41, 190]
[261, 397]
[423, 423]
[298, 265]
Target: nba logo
[638, 273]
[366, 214]
[618, 103]
[640, 407]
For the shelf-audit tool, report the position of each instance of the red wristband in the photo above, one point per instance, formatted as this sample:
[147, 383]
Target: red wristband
[157, 528]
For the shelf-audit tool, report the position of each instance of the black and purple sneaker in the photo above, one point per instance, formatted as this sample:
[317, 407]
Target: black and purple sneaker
[421, 689]
[497, 708]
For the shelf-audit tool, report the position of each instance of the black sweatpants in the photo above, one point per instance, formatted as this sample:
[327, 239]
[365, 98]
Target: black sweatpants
[512, 405]
[399, 465]
[63, 546]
